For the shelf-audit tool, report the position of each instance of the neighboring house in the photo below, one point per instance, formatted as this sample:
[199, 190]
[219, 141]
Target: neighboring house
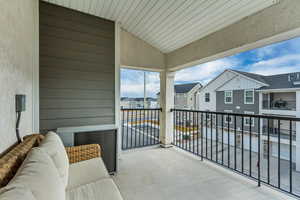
[186, 96]
[207, 94]
[249, 93]
[127, 102]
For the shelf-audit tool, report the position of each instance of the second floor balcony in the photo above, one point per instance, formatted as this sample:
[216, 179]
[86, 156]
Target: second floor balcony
[279, 101]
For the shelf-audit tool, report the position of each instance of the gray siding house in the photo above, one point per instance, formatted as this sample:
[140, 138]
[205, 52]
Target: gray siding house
[186, 96]
[276, 95]
[238, 105]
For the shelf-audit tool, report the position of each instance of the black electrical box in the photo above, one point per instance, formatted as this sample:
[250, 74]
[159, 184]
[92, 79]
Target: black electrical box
[20, 102]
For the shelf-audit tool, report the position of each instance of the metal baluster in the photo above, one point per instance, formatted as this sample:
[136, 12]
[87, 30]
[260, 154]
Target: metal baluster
[250, 153]
[228, 139]
[279, 154]
[268, 160]
[148, 138]
[175, 130]
[123, 128]
[222, 138]
[135, 128]
[132, 127]
[259, 151]
[155, 129]
[211, 137]
[197, 114]
[145, 121]
[202, 136]
[185, 130]
[189, 138]
[182, 129]
[291, 158]
[140, 128]
[127, 139]
[158, 129]
[206, 136]
[235, 142]
[217, 138]
[242, 144]
[151, 128]
[193, 130]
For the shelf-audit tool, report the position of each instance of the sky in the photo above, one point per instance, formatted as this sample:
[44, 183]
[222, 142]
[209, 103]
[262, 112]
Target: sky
[277, 58]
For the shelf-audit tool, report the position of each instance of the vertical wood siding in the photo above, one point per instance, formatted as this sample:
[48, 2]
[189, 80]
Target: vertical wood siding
[77, 74]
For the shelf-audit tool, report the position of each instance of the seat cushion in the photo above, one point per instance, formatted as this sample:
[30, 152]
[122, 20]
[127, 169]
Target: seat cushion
[87, 171]
[54, 147]
[103, 189]
[39, 174]
[16, 193]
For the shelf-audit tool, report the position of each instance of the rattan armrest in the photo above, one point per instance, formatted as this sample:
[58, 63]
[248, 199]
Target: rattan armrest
[83, 152]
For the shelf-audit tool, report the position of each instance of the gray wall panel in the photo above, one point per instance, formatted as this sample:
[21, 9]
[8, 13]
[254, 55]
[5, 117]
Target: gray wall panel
[76, 69]
[238, 100]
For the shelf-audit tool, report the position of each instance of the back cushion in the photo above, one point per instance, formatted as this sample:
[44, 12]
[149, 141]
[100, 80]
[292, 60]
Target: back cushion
[16, 193]
[39, 175]
[54, 147]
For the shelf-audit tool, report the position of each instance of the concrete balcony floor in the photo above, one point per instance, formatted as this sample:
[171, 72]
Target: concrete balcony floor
[158, 173]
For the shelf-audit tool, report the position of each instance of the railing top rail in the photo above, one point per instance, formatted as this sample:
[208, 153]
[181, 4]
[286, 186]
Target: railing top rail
[241, 115]
[133, 109]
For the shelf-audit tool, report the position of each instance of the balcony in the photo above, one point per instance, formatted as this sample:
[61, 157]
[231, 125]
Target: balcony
[279, 101]
[66, 58]
[161, 174]
[236, 144]
[279, 105]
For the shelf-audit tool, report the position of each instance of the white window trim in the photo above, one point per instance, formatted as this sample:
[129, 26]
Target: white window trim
[251, 90]
[225, 117]
[231, 97]
[253, 119]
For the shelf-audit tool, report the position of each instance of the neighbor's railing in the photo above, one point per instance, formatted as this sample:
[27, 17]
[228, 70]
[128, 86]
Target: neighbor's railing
[236, 141]
[140, 127]
[279, 105]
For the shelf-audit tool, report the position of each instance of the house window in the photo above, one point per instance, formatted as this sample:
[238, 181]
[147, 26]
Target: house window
[249, 97]
[228, 97]
[228, 118]
[207, 97]
[247, 119]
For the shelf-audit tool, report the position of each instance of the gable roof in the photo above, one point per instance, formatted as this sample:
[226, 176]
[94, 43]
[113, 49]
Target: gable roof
[257, 77]
[279, 81]
[184, 88]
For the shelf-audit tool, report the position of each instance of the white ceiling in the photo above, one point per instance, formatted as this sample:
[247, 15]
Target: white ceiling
[169, 24]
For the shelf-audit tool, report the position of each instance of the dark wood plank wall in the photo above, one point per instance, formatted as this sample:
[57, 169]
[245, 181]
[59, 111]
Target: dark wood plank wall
[77, 75]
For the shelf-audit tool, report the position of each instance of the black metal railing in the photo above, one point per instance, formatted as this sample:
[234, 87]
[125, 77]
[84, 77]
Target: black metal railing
[140, 127]
[273, 132]
[235, 141]
[279, 105]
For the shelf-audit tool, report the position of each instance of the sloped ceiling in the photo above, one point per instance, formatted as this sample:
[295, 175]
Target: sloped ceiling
[169, 24]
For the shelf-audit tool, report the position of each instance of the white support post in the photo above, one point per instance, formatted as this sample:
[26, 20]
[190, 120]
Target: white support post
[117, 89]
[298, 131]
[167, 103]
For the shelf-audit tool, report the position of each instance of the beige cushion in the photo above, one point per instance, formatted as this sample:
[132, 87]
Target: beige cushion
[16, 193]
[39, 175]
[54, 147]
[86, 172]
[103, 189]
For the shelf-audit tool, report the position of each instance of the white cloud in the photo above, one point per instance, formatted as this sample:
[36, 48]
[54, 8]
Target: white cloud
[279, 65]
[205, 72]
[133, 85]
[265, 51]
